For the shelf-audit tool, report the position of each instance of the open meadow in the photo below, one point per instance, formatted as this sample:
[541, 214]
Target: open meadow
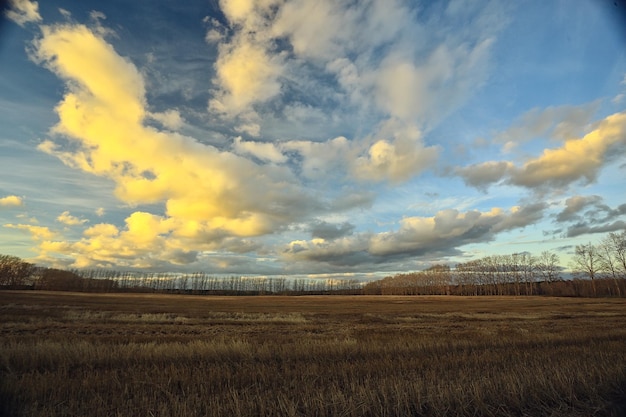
[77, 354]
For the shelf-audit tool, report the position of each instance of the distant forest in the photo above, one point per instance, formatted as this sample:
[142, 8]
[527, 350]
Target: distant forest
[596, 271]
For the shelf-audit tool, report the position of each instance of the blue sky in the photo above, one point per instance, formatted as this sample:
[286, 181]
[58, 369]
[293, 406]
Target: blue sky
[309, 138]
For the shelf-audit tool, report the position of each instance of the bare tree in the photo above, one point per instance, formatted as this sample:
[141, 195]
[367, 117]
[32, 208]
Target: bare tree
[548, 266]
[612, 256]
[586, 263]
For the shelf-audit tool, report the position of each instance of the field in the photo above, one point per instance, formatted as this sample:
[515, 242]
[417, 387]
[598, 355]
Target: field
[72, 354]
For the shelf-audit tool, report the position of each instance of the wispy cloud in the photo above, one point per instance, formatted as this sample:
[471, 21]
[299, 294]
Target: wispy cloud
[590, 215]
[555, 122]
[38, 233]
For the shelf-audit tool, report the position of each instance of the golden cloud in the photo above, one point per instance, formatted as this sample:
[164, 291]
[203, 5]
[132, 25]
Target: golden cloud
[579, 158]
[11, 201]
[39, 233]
[576, 159]
[67, 219]
[206, 193]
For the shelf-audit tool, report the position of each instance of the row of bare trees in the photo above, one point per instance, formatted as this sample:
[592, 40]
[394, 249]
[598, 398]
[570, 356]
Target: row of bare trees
[514, 274]
[605, 261]
[597, 270]
[195, 283]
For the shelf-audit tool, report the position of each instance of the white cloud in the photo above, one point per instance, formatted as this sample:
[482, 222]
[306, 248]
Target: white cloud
[375, 47]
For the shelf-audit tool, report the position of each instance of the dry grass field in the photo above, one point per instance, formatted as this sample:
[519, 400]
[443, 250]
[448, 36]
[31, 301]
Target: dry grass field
[74, 354]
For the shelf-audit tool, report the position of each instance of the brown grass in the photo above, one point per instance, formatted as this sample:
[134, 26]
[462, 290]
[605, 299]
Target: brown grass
[70, 354]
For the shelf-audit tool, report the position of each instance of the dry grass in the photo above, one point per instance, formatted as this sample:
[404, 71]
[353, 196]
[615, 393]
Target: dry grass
[153, 355]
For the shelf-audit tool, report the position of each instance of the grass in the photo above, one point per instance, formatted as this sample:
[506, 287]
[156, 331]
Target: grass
[64, 354]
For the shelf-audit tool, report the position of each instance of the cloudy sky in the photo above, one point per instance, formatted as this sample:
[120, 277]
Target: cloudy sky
[322, 138]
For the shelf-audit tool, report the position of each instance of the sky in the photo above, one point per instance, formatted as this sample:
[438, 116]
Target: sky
[309, 138]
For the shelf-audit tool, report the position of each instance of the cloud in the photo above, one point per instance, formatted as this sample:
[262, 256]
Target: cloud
[207, 193]
[246, 74]
[11, 201]
[322, 31]
[397, 158]
[39, 233]
[330, 231]
[67, 219]
[484, 174]
[263, 151]
[574, 205]
[246, 70]
[105, 119]
[190, 202]
[145, 241]
[23, 11]
[442, 234]
[277, 59]
[584, 228]
[591, 215]
[555, 122]
[170, 119]
[415, 92]
[578, 159]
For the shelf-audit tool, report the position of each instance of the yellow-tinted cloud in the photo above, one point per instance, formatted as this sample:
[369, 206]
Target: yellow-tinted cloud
[23, 11]
[246, 74]
[67, 219]
[11, 201]
[75, 53]
[237, 11]
[576, 159]
[170, 119]
[207, 194]
[37, 232]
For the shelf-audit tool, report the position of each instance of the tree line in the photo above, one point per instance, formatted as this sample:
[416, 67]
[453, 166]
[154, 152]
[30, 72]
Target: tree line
[16, 273]
[596, 271]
